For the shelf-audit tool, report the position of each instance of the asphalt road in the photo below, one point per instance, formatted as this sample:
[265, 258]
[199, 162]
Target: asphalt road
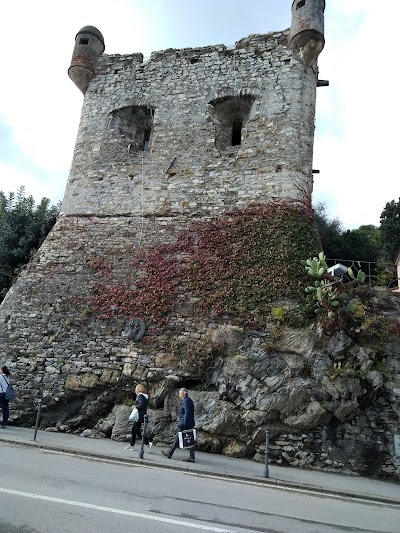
[42, 492]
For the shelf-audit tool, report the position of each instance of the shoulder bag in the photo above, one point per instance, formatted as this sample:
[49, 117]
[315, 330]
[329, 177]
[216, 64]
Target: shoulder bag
[9, 393]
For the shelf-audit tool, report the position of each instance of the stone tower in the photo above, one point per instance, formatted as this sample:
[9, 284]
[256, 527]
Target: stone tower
[194, 132]
[184, 135]
[186, 148]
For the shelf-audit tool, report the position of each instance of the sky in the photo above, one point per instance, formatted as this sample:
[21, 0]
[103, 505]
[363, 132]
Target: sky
[356, 147]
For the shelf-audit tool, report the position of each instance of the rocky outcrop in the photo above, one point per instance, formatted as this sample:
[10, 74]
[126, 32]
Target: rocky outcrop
[326, 403]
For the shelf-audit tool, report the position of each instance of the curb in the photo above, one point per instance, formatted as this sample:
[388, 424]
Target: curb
[267, 482]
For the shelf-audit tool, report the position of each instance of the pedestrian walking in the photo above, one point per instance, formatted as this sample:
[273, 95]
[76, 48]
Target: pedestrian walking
[185, 421]
[141, 403]
[4, 382]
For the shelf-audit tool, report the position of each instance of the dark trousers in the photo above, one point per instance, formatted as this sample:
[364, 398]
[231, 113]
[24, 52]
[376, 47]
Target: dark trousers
[5, 409]
[175, 445]
[137, 432]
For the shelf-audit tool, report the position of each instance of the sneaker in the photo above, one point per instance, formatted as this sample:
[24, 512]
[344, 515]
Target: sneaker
[3, 426]
[129, 447]
[189, 460]
[167, 454]
[149, 446]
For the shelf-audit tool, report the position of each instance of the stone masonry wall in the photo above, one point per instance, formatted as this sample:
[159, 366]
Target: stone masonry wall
[46, 332]
[184, 96]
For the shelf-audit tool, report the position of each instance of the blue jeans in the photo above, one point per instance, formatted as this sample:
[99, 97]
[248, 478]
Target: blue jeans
[4, 408]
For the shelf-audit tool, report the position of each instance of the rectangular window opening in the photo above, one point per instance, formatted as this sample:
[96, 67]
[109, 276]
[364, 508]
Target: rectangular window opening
[84, 40]
[300, 4]
[236, 133]
[146, 140]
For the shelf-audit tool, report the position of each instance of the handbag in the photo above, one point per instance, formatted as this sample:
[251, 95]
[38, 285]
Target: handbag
[187, 438]
[9, 393]
[134, 416]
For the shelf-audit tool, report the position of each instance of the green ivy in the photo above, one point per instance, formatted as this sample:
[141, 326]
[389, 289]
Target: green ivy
[246, 259]
[235, 265]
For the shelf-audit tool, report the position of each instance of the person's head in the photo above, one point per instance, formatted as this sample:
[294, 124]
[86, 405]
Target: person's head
[182, 393]
[139, 388]
[5, 371]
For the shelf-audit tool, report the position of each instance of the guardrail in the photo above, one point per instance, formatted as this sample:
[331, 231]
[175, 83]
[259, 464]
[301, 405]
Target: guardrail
[373, 270]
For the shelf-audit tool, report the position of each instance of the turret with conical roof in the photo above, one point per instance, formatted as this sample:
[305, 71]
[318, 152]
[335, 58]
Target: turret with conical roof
[89, 45]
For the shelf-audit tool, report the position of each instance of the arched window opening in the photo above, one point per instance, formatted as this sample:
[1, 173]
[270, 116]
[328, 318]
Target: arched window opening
[230, 116]
[135, 125]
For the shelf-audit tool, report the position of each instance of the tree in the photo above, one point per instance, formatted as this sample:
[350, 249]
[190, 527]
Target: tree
[362, 244]
[23, 228]
[330, 232]
[390, 230]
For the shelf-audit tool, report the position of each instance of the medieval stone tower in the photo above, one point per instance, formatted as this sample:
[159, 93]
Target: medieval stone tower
[186, 135]
[194, 132]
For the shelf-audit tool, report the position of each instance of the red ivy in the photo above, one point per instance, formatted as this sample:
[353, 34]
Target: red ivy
[232, 265]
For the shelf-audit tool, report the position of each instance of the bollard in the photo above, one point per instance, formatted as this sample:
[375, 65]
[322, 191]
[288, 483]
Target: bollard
[266, 471]
[37, 418]
[145, 419]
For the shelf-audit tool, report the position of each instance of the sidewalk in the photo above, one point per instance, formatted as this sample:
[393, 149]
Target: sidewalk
[210, 464]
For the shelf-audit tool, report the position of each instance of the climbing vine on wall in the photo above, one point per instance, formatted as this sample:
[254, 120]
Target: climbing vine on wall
[151, 296]
[242, 261]
[231, 265]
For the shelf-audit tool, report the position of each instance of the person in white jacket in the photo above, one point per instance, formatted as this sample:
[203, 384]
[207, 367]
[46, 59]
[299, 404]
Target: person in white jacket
[4, 381]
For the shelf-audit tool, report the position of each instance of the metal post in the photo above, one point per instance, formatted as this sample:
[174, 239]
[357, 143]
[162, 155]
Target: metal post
[145, 418]
[37, 418]
[266, 471]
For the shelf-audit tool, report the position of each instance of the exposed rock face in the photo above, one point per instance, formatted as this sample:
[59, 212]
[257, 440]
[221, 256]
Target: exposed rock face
[318, 413]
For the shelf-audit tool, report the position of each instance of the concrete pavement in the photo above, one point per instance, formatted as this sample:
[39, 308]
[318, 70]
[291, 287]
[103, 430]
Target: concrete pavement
[335, 485]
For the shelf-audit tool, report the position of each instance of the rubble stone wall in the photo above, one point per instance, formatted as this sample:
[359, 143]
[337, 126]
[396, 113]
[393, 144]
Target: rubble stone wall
[182, 99]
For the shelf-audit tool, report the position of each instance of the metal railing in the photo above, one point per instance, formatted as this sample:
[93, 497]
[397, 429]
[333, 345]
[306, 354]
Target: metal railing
[373, 270]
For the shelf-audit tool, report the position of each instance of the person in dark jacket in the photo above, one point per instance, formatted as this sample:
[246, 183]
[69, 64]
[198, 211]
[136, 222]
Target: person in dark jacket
[185, 421]
[4, 381]
[141, 402]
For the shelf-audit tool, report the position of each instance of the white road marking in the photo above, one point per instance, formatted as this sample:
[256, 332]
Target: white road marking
[117, 511]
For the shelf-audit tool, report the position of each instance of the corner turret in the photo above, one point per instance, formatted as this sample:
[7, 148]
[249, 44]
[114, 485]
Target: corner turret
[307, 30]
[89, 45]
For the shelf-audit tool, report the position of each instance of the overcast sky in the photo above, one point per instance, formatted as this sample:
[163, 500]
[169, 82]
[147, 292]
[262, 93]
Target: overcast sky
[356, 143]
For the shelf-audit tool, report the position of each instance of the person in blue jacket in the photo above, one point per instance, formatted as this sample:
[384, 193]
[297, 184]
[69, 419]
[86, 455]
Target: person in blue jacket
[185, 421]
